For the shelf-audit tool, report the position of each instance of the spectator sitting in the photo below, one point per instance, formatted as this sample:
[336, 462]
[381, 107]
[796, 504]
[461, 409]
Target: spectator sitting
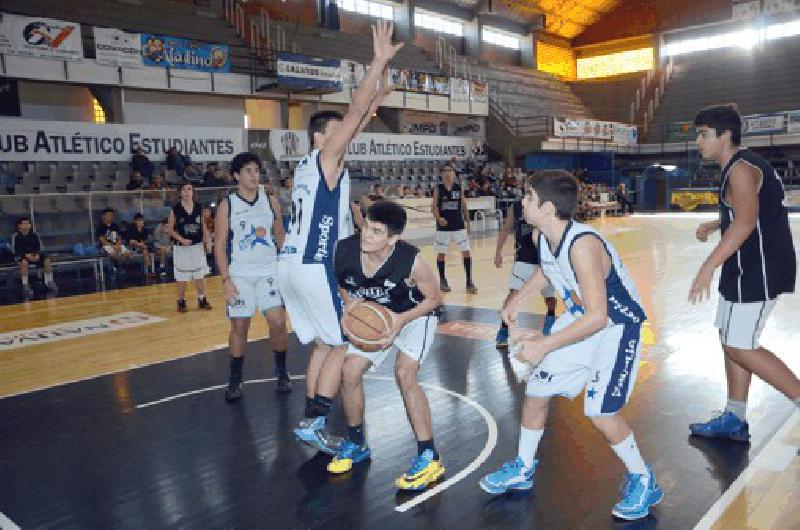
[137, 241]
[109, 239]
[142, 164]
[163, 245]
[622, 199]
[27, 249]
[406, 192]
[418, 191]
[210, 179]
[157, 182]
[135, 183]
[175, 162]
[191, 172]
[486, 189]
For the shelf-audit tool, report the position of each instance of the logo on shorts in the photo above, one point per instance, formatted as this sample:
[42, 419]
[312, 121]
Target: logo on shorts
[541, 375]
[630, 354]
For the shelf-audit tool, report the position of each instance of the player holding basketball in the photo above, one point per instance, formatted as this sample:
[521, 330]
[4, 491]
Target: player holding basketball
[595, 344]
[247, 261]
[449, 209]
[320, 217]
[526, 263]
[758, 262]
[379, 267]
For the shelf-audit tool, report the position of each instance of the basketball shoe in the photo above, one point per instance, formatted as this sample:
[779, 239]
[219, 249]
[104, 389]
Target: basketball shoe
[512, 475]
[726, 425]
[311, 431]
[639, 493]
[347, 455]
[424, 471]
[501, 339]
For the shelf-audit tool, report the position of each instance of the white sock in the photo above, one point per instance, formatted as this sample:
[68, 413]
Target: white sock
[201, 297]
[528, 442]
[737, 408]
[24, 279]
[628, 452]
[48, 277]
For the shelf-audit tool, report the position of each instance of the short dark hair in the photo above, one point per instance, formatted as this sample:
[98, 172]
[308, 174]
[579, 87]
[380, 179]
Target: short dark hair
[242, 159]
[138, 216]
[108, 209]
[447, 165]
[722, 118]
[319, 121]
[558, 187]
[388, 213]
[23, 218]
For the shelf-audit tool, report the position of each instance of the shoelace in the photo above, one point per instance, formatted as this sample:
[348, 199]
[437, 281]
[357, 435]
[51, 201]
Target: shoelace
[629, 485]
[510, 467]
[417, 465]
[717, 416]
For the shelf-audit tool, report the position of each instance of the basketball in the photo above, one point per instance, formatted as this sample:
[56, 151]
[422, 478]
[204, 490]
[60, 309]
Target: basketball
[367, 325]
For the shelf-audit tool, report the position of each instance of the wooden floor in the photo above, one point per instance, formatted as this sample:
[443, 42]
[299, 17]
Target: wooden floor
[681, 349]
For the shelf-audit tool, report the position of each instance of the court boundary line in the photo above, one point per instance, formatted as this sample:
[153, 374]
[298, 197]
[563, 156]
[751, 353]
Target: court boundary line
[726, 499]
[7, 524]
[491, 424]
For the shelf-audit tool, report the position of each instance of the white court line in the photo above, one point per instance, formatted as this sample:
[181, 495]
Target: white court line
[759, 462]
[6, 523]
[491, 440]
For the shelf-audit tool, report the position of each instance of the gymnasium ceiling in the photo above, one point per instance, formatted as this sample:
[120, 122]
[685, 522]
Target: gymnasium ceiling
[566, 18]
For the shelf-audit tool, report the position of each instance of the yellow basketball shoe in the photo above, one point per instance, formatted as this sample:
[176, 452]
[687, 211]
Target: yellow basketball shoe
[347, 455]
[424, 471]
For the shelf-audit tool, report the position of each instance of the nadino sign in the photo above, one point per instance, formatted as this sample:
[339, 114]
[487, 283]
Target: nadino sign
[311, 74]
[26, 140]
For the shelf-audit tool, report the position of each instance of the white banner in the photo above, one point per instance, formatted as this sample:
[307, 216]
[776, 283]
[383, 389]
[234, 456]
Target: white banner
[763, 124]
[25, 140]
[352, 73]
[117, 47]
[625, 134]
[426, 123]
[40, 37]
[793, 122]
[293, 145]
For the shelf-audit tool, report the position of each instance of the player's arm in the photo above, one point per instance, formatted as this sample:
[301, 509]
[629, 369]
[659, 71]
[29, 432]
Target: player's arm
[592, 265]
[277, 224]
[464, 210]
[220, 243]
[171, 227]
[533, 285]
[358, 217]
[440, 221]
[508, 227]
[428, 284]
[332, 154]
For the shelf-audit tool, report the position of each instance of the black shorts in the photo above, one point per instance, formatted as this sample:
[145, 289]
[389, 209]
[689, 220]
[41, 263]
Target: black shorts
[42, 257]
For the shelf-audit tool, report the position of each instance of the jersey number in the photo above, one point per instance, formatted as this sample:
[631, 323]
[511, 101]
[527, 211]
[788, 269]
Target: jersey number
[297, 214]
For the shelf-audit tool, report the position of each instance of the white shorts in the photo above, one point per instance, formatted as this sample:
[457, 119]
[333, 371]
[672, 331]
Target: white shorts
[444, 238]
[312, 301]
[189, 262]
[259, 292]
[521, 272]
[414, 340]
[605, 364]
[740, 324]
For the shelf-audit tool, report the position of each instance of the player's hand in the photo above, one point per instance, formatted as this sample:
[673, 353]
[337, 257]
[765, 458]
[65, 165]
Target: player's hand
[382, 46]
[397, 324]
[186, 242]
[231, 292]
[510, 310]
[706, 229]
[442, 221]
[701, 285]
[498, 260]
[532, 350]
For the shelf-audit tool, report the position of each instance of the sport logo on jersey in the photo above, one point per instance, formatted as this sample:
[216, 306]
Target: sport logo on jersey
[324, 233]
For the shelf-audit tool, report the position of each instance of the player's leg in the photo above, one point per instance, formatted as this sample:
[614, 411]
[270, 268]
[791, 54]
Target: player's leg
[49, 281]
[517, 474]
[462, 240]
[276, 322]
[24, 269]
[440, 245]
[767, 366]
[200, 265]
[311, 430]
[237, 342]
[181, 286]
[501, 339]
[354, 449]
[520, 272]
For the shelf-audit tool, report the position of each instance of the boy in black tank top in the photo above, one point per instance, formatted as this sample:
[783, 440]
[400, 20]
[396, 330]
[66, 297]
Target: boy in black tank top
[377, 266]
[758, 262]
[449, 209]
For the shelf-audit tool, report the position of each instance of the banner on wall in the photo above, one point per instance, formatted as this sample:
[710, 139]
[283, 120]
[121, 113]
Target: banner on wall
[625, 134]
[293, 144]
[117, 47]
[680, 132]
[183, 54]
[40, 37]
[352, 73]
[618, 133]
[793, 122]
[426, 123]
[459, 89]
[479, 91]
[22, 140]
[302, 72]
[764, 124]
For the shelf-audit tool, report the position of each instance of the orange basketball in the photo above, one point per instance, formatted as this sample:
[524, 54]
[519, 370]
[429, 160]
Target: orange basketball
[367, 325]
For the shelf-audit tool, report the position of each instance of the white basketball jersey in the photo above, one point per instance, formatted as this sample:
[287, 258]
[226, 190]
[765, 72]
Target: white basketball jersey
[624, 304]
[251, 249]
[319, 216]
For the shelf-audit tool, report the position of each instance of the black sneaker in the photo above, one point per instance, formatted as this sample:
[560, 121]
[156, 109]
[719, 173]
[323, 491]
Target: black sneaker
[27, 291]
[182, 306]
[203, 304]
[52, 287]
[444, 286]
[471, 289]
[284, 383]
[233, 392]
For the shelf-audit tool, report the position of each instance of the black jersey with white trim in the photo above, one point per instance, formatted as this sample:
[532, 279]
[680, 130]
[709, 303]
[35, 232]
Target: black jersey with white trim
[525, 248]
[764, 266]
[449, 206]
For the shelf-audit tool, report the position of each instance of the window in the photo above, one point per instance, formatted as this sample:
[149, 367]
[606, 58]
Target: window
[616, 63]
[746, 38]
[368, 7]
[99, 113]
[500, 38]
[439, 23]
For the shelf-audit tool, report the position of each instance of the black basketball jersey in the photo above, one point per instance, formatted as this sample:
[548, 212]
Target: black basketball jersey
[189, 224]
[765, 264]
[525, 247]
[449, 206]
[391, 284]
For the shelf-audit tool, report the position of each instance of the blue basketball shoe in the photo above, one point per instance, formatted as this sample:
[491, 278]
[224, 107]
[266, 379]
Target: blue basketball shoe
[726, 425]
[347, 455]
[311, 431]
[501, 340]
[639, 493]
[512, 475]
